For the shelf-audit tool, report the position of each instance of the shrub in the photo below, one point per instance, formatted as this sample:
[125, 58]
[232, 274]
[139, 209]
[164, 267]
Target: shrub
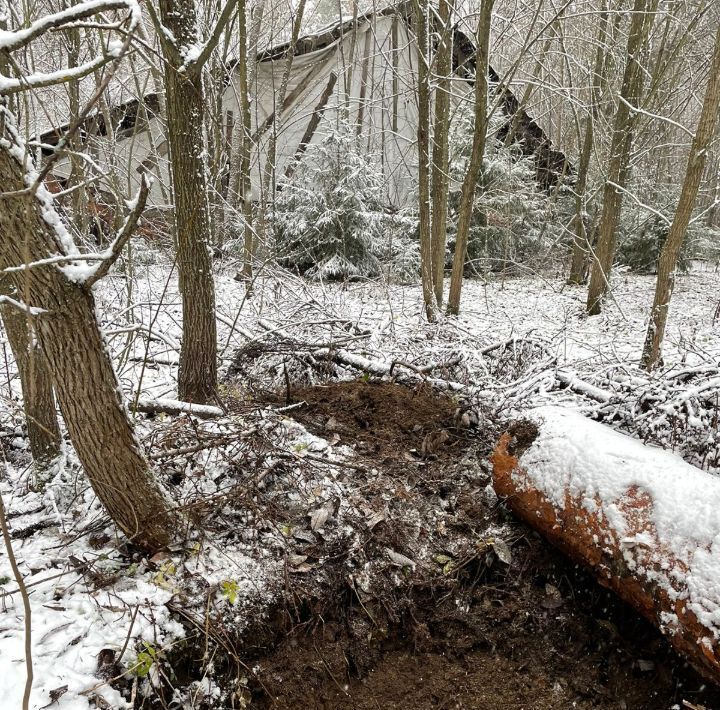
[512, 219]
[329, 219]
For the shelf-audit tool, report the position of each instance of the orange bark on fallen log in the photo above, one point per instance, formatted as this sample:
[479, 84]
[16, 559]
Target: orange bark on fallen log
[646, 523]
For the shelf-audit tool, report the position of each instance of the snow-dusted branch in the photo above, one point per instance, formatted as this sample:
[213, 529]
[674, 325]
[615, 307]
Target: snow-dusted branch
[639, 203]
[655, 116]
[28, 310]
[164, 35]
[62, 76]
[177, 407]
[225, 17]
[12, 40]
[126, 231]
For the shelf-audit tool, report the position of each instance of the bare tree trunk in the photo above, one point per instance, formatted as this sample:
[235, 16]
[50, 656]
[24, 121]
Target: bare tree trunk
[269, 167]
[581, 246]
[247, 64]
[37, 390]
[246, 142]
[197, 379]
[423, 139]
[688, 197]
[643, 18]
[440, 153]
[35, 378]
[87, 388]
[467, 194]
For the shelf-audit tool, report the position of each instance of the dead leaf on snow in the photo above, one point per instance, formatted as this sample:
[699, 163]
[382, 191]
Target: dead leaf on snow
[304, 536]
[376, 519]
[302, 568]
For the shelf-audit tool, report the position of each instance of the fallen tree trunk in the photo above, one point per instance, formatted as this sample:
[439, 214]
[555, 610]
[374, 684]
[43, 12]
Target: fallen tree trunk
[176, 407]
[380, 368]
[645, 522]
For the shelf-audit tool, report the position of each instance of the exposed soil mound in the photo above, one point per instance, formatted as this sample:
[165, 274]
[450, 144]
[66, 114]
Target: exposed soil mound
[387, 421]
[478, 613]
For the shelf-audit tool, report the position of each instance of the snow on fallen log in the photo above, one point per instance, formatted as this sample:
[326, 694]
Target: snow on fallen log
[382, 369]
[574, 383]
[644, 521]
[175, 407]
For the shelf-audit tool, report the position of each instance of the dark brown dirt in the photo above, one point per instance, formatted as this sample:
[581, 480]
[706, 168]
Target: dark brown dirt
[384, 421]
[536, 633]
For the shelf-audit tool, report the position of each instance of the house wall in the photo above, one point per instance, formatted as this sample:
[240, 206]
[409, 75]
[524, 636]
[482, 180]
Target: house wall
[377, 66]
[377, 63]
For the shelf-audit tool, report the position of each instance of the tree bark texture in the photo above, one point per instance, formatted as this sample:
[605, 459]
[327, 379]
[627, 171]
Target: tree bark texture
[197, 378]
[467, 194]
[423, 139]
[631, 93]
[639, 561]
[581, 244]
[37, 389]
[87, 388]
[688, 197]
[440, 152]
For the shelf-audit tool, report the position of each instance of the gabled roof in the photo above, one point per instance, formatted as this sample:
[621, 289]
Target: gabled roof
[551, 165]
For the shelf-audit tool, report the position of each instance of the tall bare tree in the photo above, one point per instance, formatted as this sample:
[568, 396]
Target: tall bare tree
[422, 29]
[185, 58]
[239, 179]
[267, 190]
[470, 180]
[688, 197]
[631, 93]
[581, 242]
[440, 146]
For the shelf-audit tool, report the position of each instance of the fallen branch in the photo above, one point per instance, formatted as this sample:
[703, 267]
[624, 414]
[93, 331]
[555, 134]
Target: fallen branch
[383, 369]
[175, 407]
[574, 383]
[425, 369]
[644, 521]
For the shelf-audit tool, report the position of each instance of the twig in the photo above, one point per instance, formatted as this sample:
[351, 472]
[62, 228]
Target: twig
[123, 235]
[26, 605]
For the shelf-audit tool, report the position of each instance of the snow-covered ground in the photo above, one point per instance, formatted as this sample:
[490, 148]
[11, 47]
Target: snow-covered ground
[388, 322]
[538, 325]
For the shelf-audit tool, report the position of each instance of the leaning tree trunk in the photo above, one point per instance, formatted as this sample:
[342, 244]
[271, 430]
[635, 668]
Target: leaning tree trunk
[87, 388]
[467, 194]
[688, 197]
[197, 379]
[35, 378]
[631, 92]
[37, 390]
